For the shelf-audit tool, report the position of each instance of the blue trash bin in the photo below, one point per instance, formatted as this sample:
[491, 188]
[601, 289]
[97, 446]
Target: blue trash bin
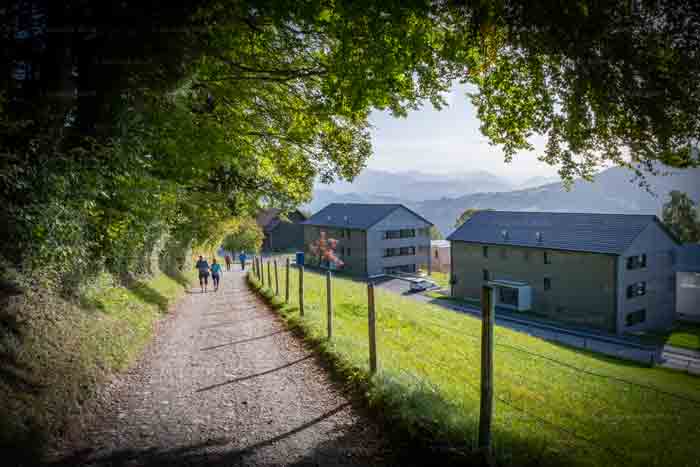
[300, 258]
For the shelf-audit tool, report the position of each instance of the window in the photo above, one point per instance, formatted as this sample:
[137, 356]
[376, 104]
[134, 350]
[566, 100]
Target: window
[547, 283]
[407, 233]
[637, 262]
[389, 234]
[391, 252]
[485, 274]
[347, 233]
[636, 317]
[485, 251]
[342, 250]
[526, 255]
[436, 254]
[407, 250]
[547, 258]
[347, 251]
[637, 289]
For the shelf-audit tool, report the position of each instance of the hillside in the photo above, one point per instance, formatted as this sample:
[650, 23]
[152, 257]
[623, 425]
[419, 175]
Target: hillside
[613, 191]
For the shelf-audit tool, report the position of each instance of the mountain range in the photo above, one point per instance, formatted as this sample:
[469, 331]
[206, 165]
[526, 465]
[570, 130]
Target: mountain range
[441, 199]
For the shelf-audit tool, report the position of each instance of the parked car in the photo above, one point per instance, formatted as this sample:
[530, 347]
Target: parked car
[421, 285]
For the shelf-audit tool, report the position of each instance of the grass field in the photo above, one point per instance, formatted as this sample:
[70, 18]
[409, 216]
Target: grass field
[583, 409]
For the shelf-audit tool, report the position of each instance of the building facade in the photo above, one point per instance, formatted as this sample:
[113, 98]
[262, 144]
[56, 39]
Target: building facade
[601, 271]
[440, 256]
[372, 239]
[281, 234]
[688, 283]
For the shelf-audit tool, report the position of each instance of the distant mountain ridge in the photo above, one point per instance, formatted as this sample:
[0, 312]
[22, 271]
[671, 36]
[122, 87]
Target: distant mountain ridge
[611, 192]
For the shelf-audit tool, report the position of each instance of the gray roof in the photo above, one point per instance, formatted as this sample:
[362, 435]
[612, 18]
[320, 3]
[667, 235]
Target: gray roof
[354, 215]
[595, 233]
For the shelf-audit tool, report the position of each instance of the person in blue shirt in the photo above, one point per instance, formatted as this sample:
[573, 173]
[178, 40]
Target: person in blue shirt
[215, 273]
[242, 257]
[203, 268]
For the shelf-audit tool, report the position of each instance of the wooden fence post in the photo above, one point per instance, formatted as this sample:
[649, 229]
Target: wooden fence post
[371, 318]
[286, 282]
[487, 320]
[269, 275]
[329, 305]
[301, 290]
[277, 282]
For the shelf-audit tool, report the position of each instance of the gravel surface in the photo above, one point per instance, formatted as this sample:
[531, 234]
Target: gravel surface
[223, 383]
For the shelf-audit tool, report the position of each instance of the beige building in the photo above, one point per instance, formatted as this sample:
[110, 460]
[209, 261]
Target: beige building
[611, 272]
[440, 255]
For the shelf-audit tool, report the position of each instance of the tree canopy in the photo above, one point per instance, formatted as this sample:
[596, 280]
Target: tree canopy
[681, 216]
[466, 215]
[127, 124]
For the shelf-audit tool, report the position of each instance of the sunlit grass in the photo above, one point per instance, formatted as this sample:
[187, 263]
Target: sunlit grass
[545, 413]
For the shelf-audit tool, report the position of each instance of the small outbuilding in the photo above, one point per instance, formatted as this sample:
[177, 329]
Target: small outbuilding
[688, 282]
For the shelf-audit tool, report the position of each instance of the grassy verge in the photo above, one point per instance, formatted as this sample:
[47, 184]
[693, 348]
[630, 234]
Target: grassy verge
[62, 350]
[683, 335]
[553, 405]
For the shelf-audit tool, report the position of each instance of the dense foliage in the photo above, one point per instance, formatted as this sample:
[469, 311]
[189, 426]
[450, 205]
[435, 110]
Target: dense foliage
[135, 128]
[246, 236]
[681, 216]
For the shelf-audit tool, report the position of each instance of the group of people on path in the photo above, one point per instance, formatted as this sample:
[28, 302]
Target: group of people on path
[205, 268]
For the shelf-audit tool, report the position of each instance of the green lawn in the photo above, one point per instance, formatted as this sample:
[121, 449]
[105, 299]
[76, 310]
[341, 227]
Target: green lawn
[545, 413]
[684, 335]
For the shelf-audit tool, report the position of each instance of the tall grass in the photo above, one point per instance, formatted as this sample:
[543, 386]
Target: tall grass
[553, 405]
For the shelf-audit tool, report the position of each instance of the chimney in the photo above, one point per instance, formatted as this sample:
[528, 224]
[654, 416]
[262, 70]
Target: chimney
[538, 235]
[504, 234]
[346, 219]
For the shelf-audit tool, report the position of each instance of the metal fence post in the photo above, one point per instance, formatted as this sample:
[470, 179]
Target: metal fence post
[286, 282]
[487, 320]
[301, 290]
[371, 322]
[329, 304]
[277, 282]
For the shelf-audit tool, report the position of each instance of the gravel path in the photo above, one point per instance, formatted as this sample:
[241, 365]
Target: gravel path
[224, 383]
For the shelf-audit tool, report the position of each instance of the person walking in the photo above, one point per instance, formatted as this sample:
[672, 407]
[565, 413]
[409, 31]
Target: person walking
[203, 268]
[242, 257]
[215, 273]
[227, 258]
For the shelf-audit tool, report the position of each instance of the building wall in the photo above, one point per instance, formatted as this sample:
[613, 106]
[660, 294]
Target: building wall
[582, 289]
[440, 258]
[376, 244]
[287, 235]
[353, 239]
[659, 276]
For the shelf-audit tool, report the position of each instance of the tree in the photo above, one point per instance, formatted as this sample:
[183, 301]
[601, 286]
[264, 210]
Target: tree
[324, 249]
[247, 236]
[435, 233]
[467, 214]
[680, 215]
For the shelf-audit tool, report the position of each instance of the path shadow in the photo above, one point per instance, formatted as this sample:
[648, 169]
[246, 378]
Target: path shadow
[256, 375]
[242, 341]
[211, 453]
[230, 323]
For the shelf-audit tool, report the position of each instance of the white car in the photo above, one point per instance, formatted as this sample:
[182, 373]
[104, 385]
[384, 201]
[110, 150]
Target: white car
[420, 285]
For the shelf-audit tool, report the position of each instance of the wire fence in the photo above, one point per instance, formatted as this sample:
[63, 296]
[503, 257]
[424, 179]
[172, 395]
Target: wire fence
[552, 404]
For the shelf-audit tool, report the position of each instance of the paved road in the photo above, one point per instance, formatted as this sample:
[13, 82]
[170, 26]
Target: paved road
[224, 384]
[670, 357]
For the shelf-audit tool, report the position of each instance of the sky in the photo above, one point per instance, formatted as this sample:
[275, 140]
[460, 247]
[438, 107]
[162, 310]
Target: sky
[447, 141]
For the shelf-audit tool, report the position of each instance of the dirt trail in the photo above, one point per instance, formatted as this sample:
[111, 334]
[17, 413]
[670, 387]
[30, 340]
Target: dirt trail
[224, 384]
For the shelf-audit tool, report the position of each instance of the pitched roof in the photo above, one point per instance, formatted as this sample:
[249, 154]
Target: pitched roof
[354, 215]
[596, 233]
